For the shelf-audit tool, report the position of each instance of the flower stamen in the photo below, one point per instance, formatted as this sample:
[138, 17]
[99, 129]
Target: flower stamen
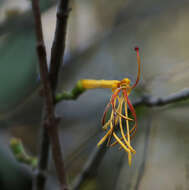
[119, 99]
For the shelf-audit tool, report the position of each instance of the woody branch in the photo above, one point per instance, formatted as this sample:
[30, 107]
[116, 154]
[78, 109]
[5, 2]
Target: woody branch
[50, 122]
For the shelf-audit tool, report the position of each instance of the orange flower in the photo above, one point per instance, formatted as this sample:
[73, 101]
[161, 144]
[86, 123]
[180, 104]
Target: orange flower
[119, 103]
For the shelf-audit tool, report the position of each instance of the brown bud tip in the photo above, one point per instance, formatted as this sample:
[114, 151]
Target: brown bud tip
[136, 48]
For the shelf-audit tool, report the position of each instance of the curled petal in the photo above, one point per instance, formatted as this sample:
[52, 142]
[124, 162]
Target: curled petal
[105, 112]
[114, 96]
[130, 107]
[121, 143]
[133, 131]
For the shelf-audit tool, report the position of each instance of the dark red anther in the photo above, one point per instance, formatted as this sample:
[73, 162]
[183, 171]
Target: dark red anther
[136, 48]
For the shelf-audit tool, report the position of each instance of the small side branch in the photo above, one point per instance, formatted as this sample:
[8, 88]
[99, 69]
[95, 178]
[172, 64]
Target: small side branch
[74, 94]
[20, 154]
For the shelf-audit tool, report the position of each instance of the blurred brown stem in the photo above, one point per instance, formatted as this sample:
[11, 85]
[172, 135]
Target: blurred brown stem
[50, 122]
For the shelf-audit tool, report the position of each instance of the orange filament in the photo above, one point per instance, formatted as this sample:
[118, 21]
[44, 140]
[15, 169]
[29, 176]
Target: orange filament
[119, 99]
[138, 62]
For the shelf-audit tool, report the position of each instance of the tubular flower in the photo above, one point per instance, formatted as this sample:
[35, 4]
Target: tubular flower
[117, 127]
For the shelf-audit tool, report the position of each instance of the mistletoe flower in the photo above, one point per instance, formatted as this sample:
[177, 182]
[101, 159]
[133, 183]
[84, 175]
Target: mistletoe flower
[122, 124]
[117, 127]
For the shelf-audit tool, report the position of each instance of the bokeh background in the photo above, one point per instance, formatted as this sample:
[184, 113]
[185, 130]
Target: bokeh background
[100, 41]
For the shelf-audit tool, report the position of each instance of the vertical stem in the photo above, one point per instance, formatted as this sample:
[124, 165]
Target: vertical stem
[40, 178]
[58, 47]
[49, 121]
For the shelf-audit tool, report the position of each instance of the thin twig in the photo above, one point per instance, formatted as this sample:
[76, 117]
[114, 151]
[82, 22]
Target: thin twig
[160, 101]
[20, 154]
[73, 95]
[50, 121]
[98, 154]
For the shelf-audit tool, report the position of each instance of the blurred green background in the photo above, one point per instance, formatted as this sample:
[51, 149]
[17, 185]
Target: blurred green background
[100, 42]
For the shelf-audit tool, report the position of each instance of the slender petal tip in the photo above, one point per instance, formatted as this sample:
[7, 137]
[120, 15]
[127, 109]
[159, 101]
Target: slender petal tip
[136, 48]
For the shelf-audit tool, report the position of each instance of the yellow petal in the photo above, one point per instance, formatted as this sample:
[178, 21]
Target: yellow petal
[89, 83]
